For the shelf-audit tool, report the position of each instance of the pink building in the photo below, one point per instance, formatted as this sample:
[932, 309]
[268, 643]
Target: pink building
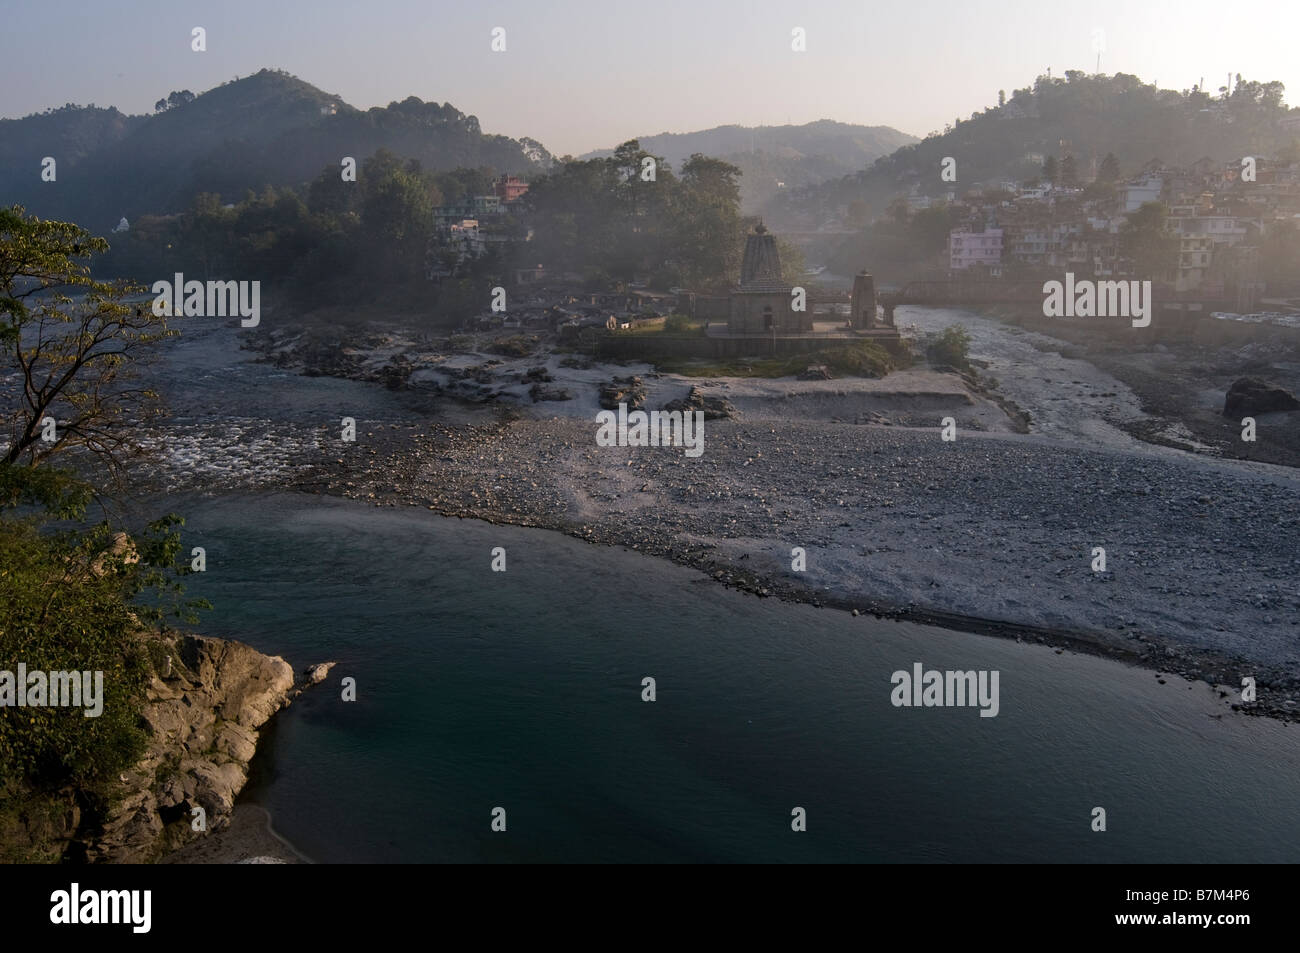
[966, 248]
[509, 188]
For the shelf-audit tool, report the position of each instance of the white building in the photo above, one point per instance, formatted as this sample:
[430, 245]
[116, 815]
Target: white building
[967, 248]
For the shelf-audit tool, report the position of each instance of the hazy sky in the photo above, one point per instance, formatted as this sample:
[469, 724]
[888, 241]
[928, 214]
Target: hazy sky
[580, 75]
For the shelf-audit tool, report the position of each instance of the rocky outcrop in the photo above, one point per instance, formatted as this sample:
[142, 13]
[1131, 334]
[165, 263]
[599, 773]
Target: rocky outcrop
[315, 674]
[397, 372]
[623, 390]
[1250, 395]
[715, 408]
[202, 713]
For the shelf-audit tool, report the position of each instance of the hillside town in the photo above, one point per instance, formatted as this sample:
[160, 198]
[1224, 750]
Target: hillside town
[1216, 213]
[1214, 217]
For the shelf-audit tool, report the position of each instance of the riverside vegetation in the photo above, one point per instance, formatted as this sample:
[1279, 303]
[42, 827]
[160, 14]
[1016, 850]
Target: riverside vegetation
[84, 596]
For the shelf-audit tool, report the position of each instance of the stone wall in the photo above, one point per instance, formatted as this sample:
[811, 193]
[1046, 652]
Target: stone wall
[660, 346]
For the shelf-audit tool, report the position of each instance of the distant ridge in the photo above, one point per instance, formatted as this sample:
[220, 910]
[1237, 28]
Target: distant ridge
[795, 155]
[270, 128]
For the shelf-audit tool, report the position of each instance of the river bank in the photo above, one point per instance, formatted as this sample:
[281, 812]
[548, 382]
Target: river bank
[1166, 385]
[993, 532]
[990, 532]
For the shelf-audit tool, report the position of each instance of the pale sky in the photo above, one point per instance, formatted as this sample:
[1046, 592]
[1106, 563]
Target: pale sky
[579, 75]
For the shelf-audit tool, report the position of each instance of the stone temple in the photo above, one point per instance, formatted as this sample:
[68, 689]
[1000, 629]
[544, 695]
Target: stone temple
[762, 302]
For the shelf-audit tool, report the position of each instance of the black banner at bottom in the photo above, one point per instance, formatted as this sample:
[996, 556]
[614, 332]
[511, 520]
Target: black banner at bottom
[139, 904]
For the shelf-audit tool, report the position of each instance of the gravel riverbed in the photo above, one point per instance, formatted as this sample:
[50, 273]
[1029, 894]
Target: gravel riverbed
[990, 532]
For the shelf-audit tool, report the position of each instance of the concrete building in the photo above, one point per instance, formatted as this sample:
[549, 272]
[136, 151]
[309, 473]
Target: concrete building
[1193, 261]
[967, 248]
[509, 189]
[478, 207]
[1220, 229]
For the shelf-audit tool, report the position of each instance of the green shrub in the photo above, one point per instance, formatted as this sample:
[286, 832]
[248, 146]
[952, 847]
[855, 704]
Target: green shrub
[69, 601]
[62, 615]
[681, 324]
[951, 347]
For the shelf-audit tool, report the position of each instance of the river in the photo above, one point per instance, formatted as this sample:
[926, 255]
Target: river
[523, 690]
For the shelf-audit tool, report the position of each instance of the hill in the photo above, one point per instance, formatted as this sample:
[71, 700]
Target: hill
[266, 129]
[1086, 116]
[767, 155]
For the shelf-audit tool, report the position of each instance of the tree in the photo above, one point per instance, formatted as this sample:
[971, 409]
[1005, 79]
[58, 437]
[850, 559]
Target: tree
[68, 594]
[174, 99]
[793, 263]
[1049, 170]
[395, 215]
[710, 233]
[1108, 171]
[1002, 98]
[1144, 241]
[74, 362]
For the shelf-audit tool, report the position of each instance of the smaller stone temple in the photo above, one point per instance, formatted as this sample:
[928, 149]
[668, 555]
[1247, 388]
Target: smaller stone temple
[762, 302]
[863, 306]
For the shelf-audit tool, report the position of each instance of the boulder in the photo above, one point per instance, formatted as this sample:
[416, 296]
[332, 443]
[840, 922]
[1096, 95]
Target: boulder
[1250, 395]
[121, 547]
[714, 408]
[315, 674]
[396, 373]
[624, 390]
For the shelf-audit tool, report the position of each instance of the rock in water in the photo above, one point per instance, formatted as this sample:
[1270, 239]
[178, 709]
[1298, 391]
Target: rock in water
[315, 674]
[1250, 395]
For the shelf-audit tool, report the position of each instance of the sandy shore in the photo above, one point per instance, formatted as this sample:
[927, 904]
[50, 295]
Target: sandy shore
[248, 839]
